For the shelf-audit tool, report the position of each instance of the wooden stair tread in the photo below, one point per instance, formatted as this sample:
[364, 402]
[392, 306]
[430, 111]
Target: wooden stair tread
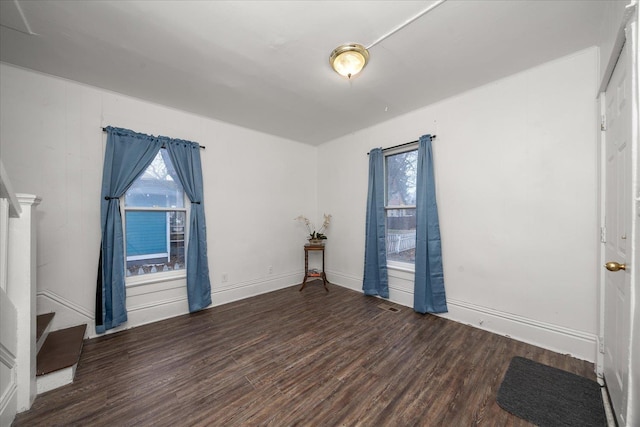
[61, 350]
[42, 321]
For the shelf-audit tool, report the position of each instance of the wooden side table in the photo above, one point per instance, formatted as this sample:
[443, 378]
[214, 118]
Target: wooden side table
[307, 273]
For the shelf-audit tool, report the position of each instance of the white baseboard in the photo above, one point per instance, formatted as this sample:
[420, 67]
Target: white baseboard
[350, 282]
[242, 290]
[579, 344]
[70, 305]
[68, 313]
[55, 379]
[147, 309]
[553, 337]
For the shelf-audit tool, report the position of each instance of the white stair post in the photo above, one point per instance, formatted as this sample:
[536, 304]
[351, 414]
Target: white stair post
[22, 291]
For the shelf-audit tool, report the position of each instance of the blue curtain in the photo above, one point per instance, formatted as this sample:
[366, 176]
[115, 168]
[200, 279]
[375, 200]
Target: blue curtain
[186, 160]
[375, 280]
[428, 295]
[127, 155]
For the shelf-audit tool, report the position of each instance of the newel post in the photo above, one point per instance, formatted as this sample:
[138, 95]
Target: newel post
[22, 291]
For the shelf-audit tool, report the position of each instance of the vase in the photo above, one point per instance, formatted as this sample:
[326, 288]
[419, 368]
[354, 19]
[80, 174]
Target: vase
[316, 242]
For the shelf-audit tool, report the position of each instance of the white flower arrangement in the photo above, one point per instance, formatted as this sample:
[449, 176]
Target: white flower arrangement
[313, 234]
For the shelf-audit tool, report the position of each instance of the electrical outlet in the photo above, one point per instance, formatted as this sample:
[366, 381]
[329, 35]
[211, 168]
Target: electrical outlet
[225, 277]
[270, 269]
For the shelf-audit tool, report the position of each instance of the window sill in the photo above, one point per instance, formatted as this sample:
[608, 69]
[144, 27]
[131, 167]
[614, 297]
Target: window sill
[404, 267]
[149, 279]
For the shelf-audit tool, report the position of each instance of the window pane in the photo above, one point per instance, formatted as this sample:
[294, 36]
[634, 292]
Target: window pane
[401, 235]
[158, 186]
[177, 233]
[155, 241]
[401, 178]
[146, 233]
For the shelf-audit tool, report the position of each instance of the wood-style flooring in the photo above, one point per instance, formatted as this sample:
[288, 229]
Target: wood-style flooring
[289, 358]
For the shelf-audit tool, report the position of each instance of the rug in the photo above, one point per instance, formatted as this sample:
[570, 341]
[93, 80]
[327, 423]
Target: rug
[549, 396]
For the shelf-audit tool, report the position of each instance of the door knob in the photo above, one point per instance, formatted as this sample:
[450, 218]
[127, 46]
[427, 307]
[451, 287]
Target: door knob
[614, 266]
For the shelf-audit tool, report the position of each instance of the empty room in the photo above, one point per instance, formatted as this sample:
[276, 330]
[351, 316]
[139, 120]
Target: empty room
[319, 213]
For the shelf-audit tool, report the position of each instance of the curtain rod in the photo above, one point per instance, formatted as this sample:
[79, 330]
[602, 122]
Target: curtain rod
[406, 143]
[201, 146]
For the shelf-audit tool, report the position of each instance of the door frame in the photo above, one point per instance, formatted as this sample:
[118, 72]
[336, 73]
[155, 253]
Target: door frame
[627, 38]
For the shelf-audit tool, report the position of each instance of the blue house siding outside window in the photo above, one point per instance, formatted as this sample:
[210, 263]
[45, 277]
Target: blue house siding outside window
[147, 235]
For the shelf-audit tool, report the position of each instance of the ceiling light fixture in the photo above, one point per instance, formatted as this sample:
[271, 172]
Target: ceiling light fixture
[349, 59]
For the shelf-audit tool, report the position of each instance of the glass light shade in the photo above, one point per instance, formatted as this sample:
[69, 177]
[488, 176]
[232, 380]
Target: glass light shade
[348, 60]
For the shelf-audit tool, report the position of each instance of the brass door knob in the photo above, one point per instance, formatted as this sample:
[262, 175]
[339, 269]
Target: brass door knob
[614, 266]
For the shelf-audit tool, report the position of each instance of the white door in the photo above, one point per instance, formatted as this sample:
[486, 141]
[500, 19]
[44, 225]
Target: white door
[618, 212]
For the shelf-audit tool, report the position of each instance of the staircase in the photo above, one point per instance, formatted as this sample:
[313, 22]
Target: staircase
[58, 353]
[27, 366]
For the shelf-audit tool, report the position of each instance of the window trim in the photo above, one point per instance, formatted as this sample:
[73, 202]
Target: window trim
[160, 276]
[401, 266]
[391, 264]
[151, 278]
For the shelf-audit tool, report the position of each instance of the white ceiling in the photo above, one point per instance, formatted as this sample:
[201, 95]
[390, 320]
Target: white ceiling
[264, 65]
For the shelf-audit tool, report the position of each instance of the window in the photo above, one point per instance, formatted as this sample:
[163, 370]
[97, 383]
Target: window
[155, 220]
[400, 206]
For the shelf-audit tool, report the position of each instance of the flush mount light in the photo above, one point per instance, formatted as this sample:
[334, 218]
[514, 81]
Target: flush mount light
[349, 59]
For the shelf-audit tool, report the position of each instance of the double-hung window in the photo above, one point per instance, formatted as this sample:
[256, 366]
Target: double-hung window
[155, 220]
[400, 207]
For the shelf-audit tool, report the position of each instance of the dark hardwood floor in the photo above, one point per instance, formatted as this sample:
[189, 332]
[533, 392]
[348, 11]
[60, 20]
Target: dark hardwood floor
[289, 358]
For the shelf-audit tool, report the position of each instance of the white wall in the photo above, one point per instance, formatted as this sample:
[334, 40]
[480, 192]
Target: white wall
[255, 184]
[516, 173]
